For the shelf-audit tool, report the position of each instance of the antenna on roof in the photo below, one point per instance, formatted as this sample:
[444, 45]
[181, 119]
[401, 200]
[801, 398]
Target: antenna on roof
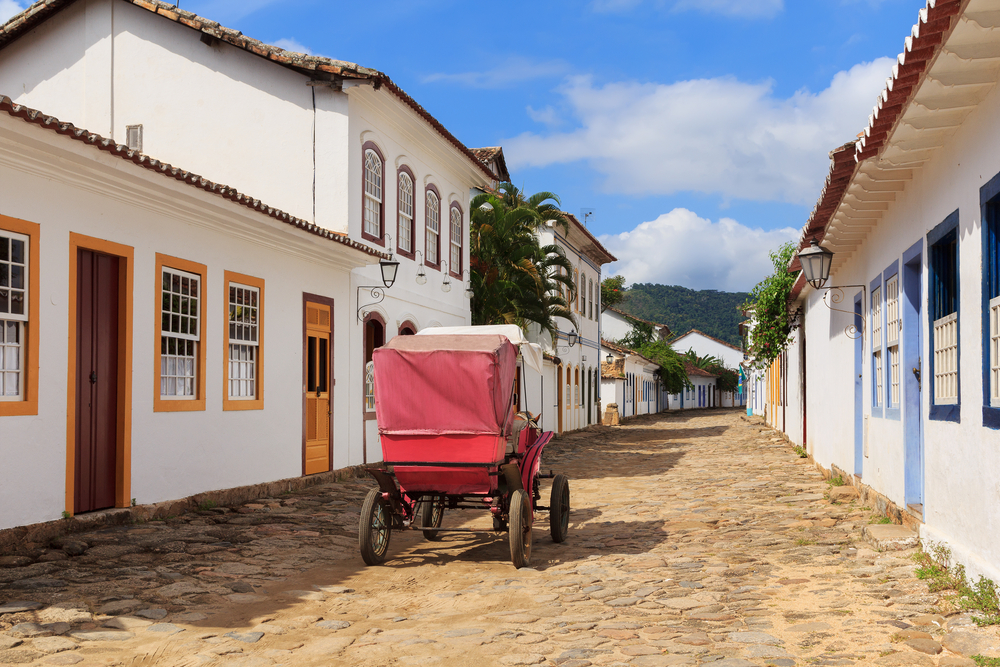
[586, 213]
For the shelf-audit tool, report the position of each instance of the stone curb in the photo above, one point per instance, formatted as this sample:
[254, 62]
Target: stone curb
[34, 536]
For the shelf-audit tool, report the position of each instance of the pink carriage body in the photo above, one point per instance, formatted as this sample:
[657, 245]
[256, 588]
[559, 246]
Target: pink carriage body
[448, 400]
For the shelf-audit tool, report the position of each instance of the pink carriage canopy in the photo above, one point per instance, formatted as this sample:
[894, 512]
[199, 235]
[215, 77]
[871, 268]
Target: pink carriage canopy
[442, 385]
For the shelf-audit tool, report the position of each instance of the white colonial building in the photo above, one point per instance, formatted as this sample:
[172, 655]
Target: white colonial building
[705, 346]
[351, 169]
[616, 324]
[629, 379]
[569, 389]
[894, 375]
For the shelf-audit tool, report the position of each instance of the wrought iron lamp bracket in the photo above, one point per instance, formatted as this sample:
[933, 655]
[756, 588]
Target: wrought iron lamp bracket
[377, 293]
[836, 295]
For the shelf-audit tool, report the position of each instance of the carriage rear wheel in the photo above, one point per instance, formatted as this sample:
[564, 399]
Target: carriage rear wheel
[559, 508]
[376, 527]
[431, 514]
[520, 528]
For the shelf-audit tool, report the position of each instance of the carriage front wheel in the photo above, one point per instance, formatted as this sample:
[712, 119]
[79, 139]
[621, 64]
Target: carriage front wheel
[431, 513]
[520, 528]
[376, 525]
[559, 508]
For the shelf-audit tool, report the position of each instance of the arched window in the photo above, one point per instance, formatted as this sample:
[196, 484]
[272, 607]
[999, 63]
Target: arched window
[455, 241]
[576, 287]
[432, 227]
[407, 328]
[374, 339]
[591, 299]
[374, 211]
[404, 215]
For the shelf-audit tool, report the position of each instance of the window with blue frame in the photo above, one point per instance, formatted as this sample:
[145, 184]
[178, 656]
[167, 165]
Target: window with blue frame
[990, 200]
[942, 296]
[878, 374]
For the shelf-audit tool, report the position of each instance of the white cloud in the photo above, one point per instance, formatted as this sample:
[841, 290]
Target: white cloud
[546, 115]
[9, 8]
[719, 136]
[736, 8]
[511, 72]
[289, 44]
[680, 248]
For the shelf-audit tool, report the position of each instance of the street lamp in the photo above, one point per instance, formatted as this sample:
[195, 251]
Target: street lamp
[816, 263]
[388, 267]
[421, 274]
[468, 285]
[446, 283]
[609, 359]
[572, 337]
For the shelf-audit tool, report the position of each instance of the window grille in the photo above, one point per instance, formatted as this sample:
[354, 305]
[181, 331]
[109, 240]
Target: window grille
[13, 313]
[893, 325]
[946, 360]
[180, 333]
[244, 330]
[405, 212]
[876, 329]
[591, 299]
[133, 137]
[995, 352]
[373, 194]
[370, 386]
[433, 227]
[455, 263]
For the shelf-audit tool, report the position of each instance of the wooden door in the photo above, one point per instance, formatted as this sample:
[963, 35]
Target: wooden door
[316, 383]
[96, 381]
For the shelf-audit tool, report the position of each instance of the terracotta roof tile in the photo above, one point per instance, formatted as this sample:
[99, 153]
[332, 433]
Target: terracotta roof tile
[122, 152]
[691, 369]
[920, 49]
[310, 65]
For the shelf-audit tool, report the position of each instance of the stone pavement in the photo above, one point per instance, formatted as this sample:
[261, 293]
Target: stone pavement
[695, 539]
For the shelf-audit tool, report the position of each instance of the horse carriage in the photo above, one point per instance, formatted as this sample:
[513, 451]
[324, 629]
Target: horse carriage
[452, 439]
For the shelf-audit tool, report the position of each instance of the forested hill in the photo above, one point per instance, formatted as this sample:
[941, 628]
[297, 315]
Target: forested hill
[713, 312]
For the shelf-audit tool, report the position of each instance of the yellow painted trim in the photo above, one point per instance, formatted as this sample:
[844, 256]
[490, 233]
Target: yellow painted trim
[183, 405]
[257, 403]
[28, 406]
[126, 273]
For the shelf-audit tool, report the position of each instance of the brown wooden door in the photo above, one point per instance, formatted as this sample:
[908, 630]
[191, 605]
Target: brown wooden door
[316, 383]
[96, 381]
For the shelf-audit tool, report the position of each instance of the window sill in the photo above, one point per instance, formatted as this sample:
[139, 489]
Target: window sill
[946, 413]
[374, 239]
[877, 412]
[236, 404]
[180, 405]
[893, 414]
[18, 408]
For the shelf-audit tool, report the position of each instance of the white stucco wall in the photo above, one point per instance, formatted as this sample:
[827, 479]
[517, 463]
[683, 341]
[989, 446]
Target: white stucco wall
[962, 460]
[705, 346]
[65, 186]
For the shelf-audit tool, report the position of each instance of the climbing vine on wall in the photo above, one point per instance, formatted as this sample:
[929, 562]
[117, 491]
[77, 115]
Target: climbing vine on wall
[772, 325]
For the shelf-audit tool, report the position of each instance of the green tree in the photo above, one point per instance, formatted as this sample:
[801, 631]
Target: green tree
[729, 379]
[515, 280]
[772, 323]
[642, 339]
[613, 292]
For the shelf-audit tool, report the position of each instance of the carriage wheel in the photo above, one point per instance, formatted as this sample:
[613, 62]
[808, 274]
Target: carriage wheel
[376, 526]
[520, 528]
[431, 514]
[559, 508]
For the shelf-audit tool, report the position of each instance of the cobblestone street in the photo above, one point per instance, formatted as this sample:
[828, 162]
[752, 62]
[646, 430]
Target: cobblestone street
[696, 538]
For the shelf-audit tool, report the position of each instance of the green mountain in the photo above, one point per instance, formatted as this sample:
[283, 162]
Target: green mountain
[710, 311]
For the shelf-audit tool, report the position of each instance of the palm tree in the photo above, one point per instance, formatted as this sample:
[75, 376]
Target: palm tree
[515, 280]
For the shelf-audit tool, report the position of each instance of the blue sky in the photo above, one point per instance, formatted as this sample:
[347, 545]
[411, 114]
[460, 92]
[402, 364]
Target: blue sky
[697, 130]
